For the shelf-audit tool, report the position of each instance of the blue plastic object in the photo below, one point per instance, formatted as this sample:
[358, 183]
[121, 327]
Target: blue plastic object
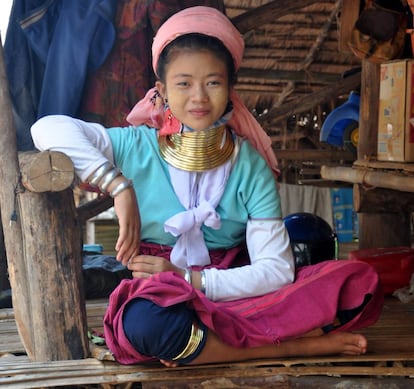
[93, 248]
[333, 127]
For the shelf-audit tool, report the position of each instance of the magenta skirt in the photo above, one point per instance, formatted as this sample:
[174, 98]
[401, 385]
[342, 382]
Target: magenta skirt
[311, 302]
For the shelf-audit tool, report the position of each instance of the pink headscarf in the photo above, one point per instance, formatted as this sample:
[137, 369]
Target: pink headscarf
[208, 21]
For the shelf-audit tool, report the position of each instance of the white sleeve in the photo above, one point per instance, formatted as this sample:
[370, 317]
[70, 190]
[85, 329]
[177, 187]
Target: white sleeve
[87, 144]
[272, 264]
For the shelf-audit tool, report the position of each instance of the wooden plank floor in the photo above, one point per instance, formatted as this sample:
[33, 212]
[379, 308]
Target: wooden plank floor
[391, 354]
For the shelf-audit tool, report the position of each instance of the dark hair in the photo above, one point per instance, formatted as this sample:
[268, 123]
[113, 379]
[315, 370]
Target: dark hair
[196, 42]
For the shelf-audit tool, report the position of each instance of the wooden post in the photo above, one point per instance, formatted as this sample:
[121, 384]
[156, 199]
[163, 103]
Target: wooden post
[369, 108]
[52, 245]
[43, 249]
[381, 200]
[13, 242]
[376, 229]
[349, 15]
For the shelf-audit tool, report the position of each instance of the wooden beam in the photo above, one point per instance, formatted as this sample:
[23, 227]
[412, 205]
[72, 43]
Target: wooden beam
[306, 103]
[380, 200]
[287, 75]
[292, 137]
[385, 165]
[92, 208]
[368, 112]
[314, 155]
[268, 13]
[388, 229]
[349, 15]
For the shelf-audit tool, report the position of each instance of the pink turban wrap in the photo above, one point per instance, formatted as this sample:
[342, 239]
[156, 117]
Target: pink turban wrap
[208, 21]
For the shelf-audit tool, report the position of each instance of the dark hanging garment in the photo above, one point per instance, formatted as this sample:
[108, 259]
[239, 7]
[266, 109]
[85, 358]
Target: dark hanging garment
[50, 48]
[24, 72]
[113, 90]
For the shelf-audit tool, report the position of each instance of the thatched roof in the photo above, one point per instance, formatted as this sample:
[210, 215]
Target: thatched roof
[292, 55]
[293, 65]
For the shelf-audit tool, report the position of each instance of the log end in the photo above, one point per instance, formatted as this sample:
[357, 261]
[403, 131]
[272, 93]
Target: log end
[47, 171]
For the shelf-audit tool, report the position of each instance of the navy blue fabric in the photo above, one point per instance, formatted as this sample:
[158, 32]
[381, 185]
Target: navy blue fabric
[50, 48]
[24, 72]
[161, 332]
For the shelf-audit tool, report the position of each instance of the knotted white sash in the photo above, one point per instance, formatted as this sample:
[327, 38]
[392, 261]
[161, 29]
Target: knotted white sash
[200, 194]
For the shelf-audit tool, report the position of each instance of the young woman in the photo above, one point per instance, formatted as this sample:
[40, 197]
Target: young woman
[213, 272]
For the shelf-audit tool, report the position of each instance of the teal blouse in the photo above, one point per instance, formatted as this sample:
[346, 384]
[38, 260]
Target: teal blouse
[251, 191]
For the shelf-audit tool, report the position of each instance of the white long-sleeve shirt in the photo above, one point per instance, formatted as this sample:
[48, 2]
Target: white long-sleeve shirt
[272, 262]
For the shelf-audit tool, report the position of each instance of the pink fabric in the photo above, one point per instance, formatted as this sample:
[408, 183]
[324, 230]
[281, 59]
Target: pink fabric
[310, 302]
[208, 21]
[203, 20]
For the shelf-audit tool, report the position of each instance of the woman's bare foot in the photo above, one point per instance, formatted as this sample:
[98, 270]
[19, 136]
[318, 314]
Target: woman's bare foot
[349, 343]
[345, 343]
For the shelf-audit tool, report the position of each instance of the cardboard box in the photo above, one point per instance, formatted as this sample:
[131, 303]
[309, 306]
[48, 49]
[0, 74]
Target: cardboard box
[396, 112]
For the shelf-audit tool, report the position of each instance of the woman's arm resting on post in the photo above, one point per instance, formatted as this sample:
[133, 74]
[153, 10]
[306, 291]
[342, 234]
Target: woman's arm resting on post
[90, 148]
[86, 144]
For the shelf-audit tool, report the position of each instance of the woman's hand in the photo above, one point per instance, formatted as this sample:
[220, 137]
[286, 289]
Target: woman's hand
[126, 209]
[144, 266]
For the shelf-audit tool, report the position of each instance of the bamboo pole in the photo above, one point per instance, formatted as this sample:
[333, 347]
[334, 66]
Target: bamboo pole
[368, 177]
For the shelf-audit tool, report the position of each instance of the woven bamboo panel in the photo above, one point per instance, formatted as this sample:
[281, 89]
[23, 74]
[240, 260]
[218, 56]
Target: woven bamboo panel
[391, 354]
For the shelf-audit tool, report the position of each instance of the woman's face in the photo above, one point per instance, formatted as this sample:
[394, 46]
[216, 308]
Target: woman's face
[197, 88]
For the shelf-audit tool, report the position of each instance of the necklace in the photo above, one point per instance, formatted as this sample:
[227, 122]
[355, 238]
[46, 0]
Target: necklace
[197, 150]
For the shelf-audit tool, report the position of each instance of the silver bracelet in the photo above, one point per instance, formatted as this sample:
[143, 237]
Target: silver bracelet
[188, 276]
[108, 178]
[125, 184]
[97, 175]
[203, 281]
